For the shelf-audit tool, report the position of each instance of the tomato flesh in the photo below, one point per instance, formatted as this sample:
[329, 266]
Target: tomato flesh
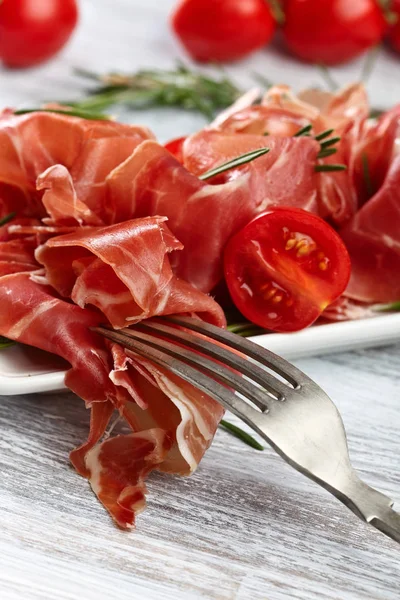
[284, 268]
[332, 31]
[32, 31]
[223, 30]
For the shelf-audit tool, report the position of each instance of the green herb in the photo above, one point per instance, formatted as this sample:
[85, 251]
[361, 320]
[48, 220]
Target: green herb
[367, 175]
[330, 142]
[76, 112]
[261, 79]
[324, 134]
[370, 62]
[241, 435]
[322, 168]
[327, 76]
[303, 131]
[392, 307]
[236, 162]
[245, 329]
[327, 152]
[7, 218]
[5, 343]
[179, 88]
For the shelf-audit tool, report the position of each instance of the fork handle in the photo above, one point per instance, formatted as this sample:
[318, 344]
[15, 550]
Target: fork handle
[389, 524]
[373, 507]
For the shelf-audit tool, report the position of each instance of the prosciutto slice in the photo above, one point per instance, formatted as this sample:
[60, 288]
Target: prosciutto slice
[172, 422]
[124, 271]
[373, 240]
[32, 143]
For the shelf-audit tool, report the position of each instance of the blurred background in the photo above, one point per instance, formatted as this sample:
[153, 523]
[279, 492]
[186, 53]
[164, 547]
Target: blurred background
[126, 35]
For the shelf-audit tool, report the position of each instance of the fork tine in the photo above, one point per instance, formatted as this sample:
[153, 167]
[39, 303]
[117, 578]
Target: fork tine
[274, 386]
[274, 362]
[204, 382]
[215, 370]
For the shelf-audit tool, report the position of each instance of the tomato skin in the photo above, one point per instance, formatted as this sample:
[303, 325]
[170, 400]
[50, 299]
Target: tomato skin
[332, 31]
[32, 31]
[394, 30]
[223, 30]
[175, 147]
[284, 268]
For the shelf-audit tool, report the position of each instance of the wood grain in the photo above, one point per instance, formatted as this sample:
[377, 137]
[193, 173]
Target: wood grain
[245, 525]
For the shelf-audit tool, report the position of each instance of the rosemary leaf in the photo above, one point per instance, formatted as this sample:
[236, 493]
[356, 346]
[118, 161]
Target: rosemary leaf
[76, 112]
[327, 168]
[5, 342]
[245, 329]
[7, 218]
[327, 152]
[241, 435]
[236, 162]
[324, 134]
[392, 307]
[367, 175]
[303, 131]
[330, 142]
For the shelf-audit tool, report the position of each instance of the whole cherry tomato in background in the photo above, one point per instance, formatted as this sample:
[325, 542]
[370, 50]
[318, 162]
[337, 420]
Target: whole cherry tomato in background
[394, 29]
[284, 268]
[223, 30]
[32, 31]
[332, 31]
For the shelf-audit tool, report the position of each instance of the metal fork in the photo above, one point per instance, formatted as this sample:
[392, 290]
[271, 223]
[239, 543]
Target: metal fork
[282, 404]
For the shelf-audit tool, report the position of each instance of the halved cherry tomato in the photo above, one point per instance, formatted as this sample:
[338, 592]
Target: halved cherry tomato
[223, 30]
[175, 147]
[284, 268]
[332, 31]
[32, 31]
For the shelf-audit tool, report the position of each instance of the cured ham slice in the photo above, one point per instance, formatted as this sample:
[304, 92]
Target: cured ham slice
[374, 153]
[31, 143]
[172, 423]
[278, 178]
[153, 182]
[282, 113]
[124, 271]
[373, 240]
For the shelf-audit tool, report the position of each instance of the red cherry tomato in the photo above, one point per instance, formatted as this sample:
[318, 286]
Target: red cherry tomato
[223, 30]
[332, 31]
[175, 147]
[394, 30]
[31, 31]
[284, 268]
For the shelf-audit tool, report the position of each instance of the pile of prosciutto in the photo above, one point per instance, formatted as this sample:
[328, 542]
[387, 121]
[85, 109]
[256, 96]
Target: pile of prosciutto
[111, 227]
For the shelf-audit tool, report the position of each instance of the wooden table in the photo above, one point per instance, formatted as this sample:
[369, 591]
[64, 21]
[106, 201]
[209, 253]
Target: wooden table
[245, 526]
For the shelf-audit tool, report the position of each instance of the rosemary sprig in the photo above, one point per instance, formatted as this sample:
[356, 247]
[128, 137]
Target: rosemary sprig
[370, 62]
[241, 435]
[7, 218]
[76, 112]
[5, 342]
[327, 168]
[324, 134]
[330, 142]
[303, 131]
[245, 329]
[235, 162]
[367, 174]
[326, 152]
[327, 76]
[154, 87]
[391, 307]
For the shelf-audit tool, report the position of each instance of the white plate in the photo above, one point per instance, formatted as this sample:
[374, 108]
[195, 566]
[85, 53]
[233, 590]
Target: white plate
[25, 370]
